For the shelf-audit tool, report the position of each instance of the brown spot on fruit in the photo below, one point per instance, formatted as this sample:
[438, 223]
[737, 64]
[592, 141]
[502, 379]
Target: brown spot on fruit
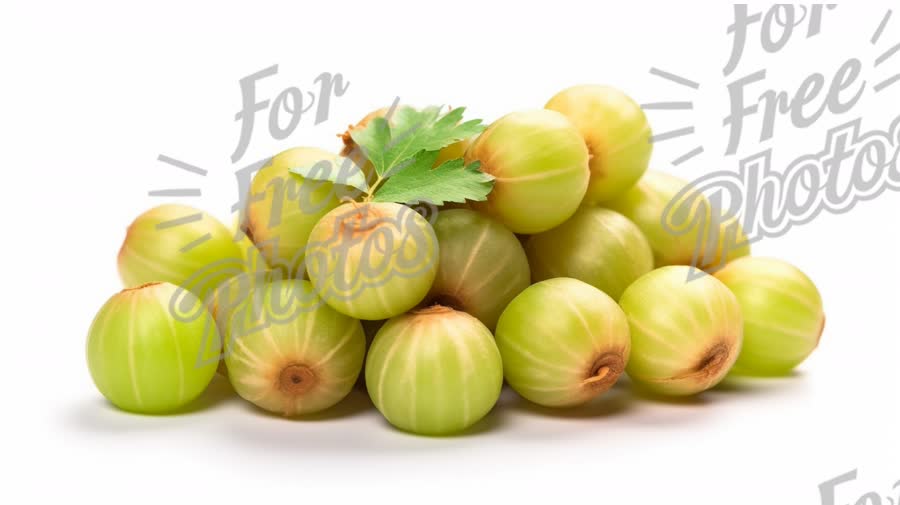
[296, 379]
[142, 286]
[712, 361]
[446, 301]
[604, 372]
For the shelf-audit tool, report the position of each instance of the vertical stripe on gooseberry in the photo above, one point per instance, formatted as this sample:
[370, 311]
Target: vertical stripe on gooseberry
[151, 266]
[472, 254]
[439, 383]
[465, 367]
[488, 350]
[113, 303]
[411, 359]
[443, 350]
[266, 330]
[380, 295]
[132, 315]
[330, 354]
[489, 277]
[250, 358]
[654, 337]
[564, 297]
[385, 365]
[312, 317]
[178, 356]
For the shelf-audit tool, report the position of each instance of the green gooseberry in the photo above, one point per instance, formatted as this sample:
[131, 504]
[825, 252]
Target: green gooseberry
[598, 246]
[283, 207]
[563, 342]
[152, 349]
[617, 135]
[645, 204]
[481, 267]
[686, 332]
[434, 371]
[539, 162]
[180, 245]
[783, 314]
[372, 260]
[285, 350]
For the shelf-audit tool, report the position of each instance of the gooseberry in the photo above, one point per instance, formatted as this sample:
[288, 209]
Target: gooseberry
[286, 351]
[434, 371]
[563, 342]
[283, 207]
[685, 334]
[783, 314]
[731, 243]
[227, 297]
[372, 260]
[253, 257]
[149, 355]
[540, 166]
[598, 246]
[481, 268]
[617, 135]
[180, 245]
[370, 328]
[688, 241]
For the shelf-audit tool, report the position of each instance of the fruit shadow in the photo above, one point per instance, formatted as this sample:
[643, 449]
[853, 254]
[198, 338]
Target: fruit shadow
[359, 429]
[100, 416]
[698, 400]
[731, 386]
[748, 385]
[355, 403]
[616, 401]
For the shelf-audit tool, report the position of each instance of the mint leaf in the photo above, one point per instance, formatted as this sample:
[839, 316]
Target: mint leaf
[390, 148]
[452, 181]
[339, 170]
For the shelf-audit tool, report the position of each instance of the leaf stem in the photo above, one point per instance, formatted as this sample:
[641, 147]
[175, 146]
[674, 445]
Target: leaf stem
[374, 187]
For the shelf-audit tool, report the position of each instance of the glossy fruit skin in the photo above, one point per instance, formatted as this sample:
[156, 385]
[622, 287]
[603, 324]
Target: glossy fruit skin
[482, 265]
[435, 371]
[454, 151]
[370, 328]
[143, 358]
[155, 250]
[229, 297]
[289, 353]
[685, 335]
[372, 260]
[731, 243]
[283, 207]
[251, 254]
[232, 295]
[783, 314]
[645, 205]
[563, 342]
[540, 165]
[616, 132]
[598, 246]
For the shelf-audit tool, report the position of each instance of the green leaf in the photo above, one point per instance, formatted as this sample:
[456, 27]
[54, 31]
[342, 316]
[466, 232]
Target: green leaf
[374, 139]
[339, 170]
[452, 181]
[390, 148]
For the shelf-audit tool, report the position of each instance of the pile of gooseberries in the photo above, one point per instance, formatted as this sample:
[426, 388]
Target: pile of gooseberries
[562, 281]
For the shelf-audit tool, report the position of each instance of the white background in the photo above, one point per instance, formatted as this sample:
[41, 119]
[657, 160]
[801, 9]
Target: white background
[92, 93]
